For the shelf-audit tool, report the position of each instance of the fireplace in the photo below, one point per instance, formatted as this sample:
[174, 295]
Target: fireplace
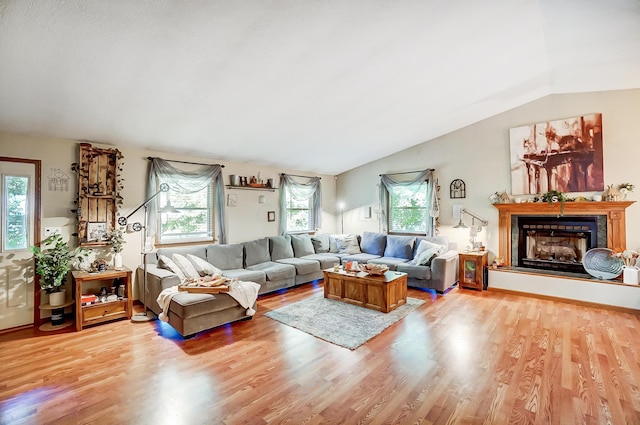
[554, 243]
[609, 231]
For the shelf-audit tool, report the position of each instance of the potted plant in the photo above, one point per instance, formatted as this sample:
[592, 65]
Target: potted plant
[116, 238]
[554, 196]
[53, 264]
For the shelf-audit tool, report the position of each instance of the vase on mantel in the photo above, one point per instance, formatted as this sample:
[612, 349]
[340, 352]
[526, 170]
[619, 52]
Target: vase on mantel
[631, 275]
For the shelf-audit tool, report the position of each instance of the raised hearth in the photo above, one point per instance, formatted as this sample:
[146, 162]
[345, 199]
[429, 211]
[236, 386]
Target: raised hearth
[611, 216]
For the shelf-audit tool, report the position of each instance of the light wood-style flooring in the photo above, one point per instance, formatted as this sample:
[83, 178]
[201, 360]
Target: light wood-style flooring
[464, 358]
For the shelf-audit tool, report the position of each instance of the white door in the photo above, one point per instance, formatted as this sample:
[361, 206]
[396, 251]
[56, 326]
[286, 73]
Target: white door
[17, 234]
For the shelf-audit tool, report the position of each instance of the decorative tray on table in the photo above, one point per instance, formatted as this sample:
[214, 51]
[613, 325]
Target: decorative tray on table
[374, 269]
[205, 287]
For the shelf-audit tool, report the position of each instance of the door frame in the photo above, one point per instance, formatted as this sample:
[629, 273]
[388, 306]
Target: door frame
[37, 320]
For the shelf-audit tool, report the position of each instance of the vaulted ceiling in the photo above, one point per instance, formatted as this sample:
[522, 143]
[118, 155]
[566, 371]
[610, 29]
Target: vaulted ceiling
[322, 86]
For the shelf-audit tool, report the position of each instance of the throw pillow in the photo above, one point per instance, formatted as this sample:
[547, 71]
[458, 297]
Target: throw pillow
[280, 247]
[399, 247]
[185, 265]
[167, 263]
[203, 267]
[426, 245]
[302, 245]
[348, 245]
[321, 243]
[373, 243]
[426, 256]
[333, 246]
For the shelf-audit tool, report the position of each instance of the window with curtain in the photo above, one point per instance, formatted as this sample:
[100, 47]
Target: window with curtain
[408, 204]
[194, 223]
[408, 209]
[300, 214]
[300, 204]
[197, 193]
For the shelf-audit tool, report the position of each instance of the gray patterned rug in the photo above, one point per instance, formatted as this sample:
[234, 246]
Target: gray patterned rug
[340, 323]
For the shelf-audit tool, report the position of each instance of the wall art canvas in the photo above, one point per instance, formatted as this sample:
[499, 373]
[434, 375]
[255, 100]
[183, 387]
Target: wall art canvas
[563, 155]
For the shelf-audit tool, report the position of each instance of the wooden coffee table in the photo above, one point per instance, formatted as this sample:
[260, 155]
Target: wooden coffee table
[383, 293]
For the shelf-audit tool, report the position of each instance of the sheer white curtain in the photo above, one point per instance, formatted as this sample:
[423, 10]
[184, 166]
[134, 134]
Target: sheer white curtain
[182, 181]
[387, 183]
[300, 192]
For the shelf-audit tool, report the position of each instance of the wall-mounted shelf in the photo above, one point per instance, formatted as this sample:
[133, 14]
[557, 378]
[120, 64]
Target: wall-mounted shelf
[268, 189]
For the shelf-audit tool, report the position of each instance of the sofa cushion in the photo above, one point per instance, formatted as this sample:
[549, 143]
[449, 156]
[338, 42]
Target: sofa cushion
[399, 246]
[321, 243]
[373, 243]
[256, 276]
[326, 260]
[256, 252]
[165, 262]
[392, 262]
[280, 247]
[348, 245]
[361, 257]
[275, 271]
[185, 265]
[303, 266]
[203, 267]
[302, 245]
[225, 257]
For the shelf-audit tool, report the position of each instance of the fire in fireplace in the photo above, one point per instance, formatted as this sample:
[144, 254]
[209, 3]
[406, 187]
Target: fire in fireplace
[556, 243]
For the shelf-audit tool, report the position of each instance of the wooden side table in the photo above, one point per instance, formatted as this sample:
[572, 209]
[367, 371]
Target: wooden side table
[105, 311]
[472, 270]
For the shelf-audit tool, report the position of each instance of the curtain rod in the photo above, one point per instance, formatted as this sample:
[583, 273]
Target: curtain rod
[184, 162]
[298, 175]
[407, 172]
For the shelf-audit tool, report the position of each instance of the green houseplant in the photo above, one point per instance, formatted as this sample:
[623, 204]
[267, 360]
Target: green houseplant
[554, 196]
[54, 259]
[116, 238]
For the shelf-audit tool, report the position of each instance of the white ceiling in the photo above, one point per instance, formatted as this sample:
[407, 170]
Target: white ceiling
[321, 86]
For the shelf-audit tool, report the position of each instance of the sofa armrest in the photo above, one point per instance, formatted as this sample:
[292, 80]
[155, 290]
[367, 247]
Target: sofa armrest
[444, 270]
[157, 280]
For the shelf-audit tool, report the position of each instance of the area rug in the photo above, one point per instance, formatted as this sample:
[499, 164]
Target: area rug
[340, 323]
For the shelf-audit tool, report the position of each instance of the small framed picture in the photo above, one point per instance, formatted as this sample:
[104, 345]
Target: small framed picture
[271, 216]
[232, 200]
[96, 232]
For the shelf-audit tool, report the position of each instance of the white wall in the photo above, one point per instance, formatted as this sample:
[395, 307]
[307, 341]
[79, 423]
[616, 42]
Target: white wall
[246, 221]
[479, 155]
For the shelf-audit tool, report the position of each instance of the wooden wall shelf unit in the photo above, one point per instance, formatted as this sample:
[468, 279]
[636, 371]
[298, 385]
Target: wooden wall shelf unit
[102, 312]
[98, 197]
[614, 211]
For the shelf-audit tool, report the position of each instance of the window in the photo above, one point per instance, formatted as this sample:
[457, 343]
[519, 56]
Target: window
[408, 209]
[300, 213]
[193, 221]
[15, 213]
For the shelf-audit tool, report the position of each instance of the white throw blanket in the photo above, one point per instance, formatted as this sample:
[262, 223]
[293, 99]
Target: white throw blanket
[245, 293]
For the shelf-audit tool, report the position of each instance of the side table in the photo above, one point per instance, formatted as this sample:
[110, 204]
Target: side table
[472, 269]
[103, 311]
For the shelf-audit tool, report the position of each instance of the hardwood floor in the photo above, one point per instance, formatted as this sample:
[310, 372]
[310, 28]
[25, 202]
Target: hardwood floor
[465, 358]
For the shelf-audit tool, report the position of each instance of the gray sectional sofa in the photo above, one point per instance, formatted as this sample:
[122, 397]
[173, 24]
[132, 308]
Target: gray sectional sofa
[280, 262]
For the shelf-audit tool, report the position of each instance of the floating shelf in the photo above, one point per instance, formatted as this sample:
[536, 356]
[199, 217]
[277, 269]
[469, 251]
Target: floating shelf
[268, 189]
